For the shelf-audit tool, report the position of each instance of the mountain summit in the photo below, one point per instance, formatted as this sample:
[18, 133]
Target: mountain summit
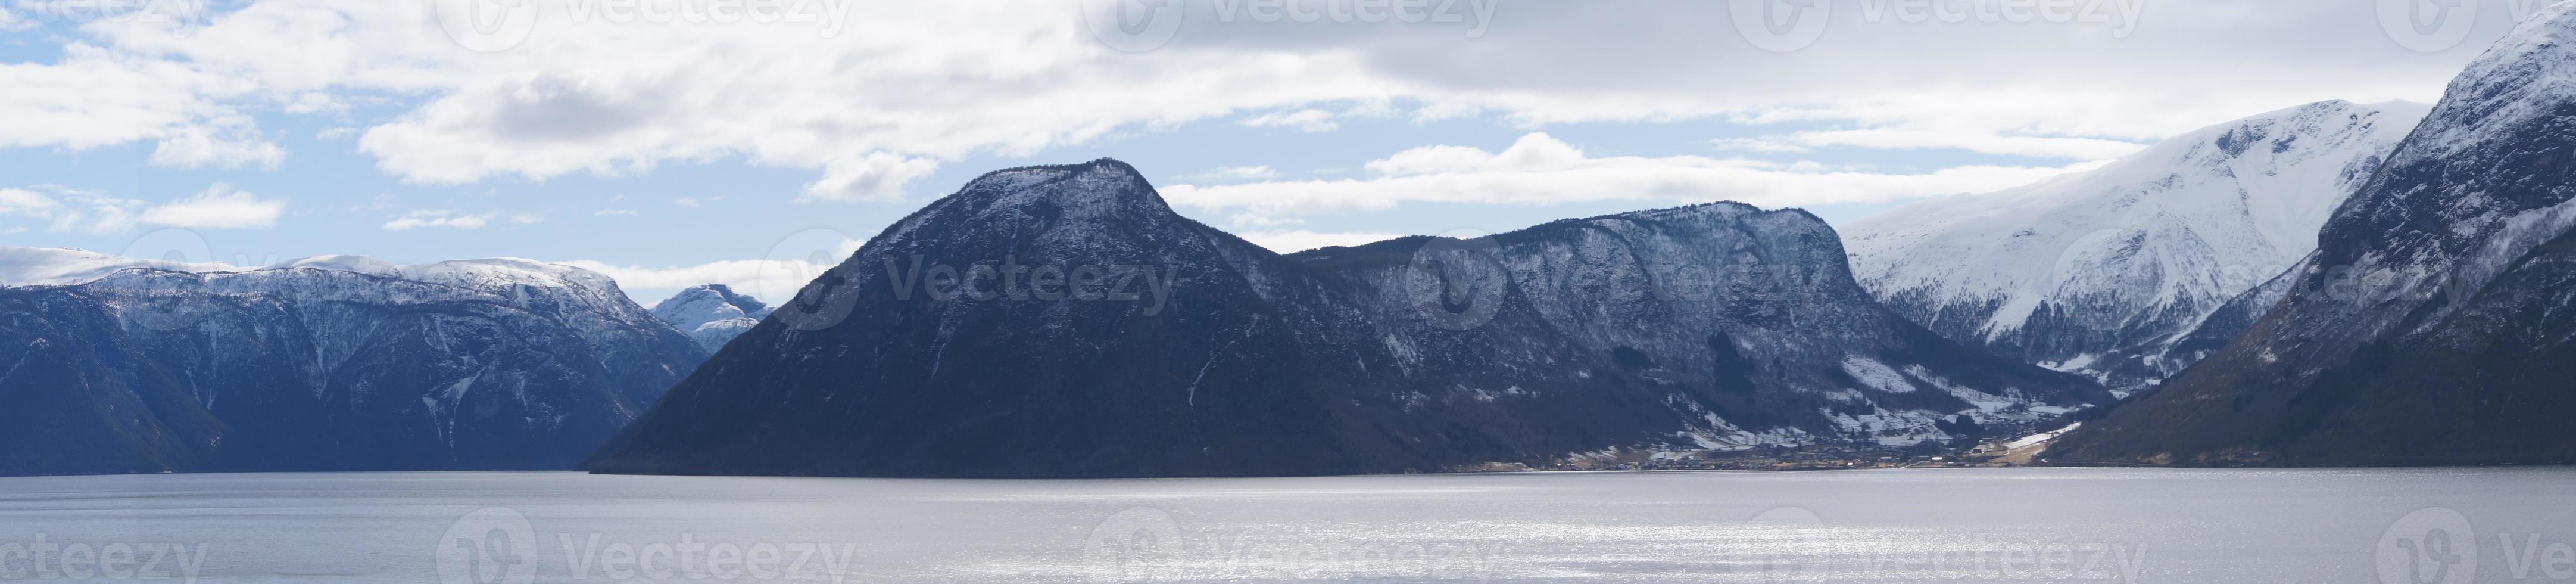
[712, 314]
[2103, 272]
[1062, 321]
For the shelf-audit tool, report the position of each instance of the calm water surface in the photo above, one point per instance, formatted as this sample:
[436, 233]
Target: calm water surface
[1971, 525]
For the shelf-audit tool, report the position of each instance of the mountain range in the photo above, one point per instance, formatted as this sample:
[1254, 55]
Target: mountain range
[2436, 322]
[2330, 284]
[1063, 321]
[329, 363]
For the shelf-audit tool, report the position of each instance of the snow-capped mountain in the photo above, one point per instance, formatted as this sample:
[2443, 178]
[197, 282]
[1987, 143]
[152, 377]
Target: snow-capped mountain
[2436, 323]
[331, 363]
[1193, 352]
[2100, 272]
[54, 266]
[713, 314]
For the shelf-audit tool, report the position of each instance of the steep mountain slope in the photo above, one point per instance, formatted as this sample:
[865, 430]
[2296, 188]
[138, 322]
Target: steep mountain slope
[2100, 272]
[334, 363]
[1097, 333]
[79, 397]
[2434, 324]
[712, 314]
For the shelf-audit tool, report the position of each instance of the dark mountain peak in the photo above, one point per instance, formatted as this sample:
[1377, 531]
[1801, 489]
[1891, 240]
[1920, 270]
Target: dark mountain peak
[1103, 191]
[1105, 178]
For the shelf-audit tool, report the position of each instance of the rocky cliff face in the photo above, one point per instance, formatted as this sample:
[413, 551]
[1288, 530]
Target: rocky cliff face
[2103, 272]
[2433, 325]
[1063, 321]
[334, 363]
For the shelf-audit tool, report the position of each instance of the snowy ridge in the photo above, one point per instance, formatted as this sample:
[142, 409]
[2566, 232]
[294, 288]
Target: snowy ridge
[2518, 79]
[45, 266]
[346, 362]
[712, 314]
[2068, 271]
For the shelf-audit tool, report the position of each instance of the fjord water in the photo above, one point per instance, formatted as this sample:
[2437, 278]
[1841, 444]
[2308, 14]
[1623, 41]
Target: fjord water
[1949, 525]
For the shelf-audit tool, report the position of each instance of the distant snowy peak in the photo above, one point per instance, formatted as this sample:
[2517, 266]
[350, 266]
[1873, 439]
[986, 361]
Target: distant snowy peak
[712, 314]
[34, 266]
[2138, 249]
[26, 266]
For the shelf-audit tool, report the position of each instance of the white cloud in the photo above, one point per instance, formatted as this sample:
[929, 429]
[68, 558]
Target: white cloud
[96, 96]
[440, 218]
[527, 219]
[685, 201]
[614, 213]
[1234, 173]
[25, 202]
[875, 102]
[877, 176]
[771, 280]
[1541, 170]
[228, 142]
[1915, 139]
[14, 22]
[68, 209]
[1305, 120]
[1301, 240]
[65, 209]
[218, 207]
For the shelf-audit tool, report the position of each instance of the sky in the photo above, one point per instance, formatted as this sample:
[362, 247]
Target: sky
[670, 143]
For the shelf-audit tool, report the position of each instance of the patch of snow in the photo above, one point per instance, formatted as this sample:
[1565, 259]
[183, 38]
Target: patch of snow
[1876, 375]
